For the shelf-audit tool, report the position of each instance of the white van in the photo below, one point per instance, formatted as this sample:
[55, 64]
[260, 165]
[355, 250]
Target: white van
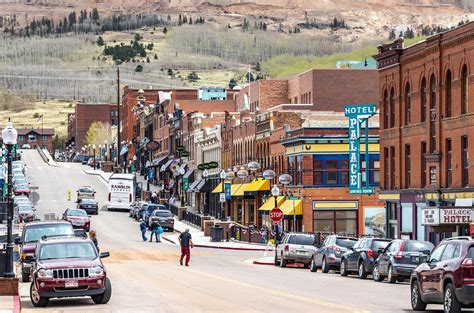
[121, 191]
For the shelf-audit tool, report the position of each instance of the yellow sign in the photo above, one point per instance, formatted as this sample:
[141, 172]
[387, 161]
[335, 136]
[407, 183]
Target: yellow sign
[329, 148]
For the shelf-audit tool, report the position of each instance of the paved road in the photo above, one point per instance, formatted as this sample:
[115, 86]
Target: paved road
[146, 277]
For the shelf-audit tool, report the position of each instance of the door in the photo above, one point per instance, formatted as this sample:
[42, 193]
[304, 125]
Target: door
[440, 270]
[354, 256]
[384, 259]
[323, 250]
[427, 274]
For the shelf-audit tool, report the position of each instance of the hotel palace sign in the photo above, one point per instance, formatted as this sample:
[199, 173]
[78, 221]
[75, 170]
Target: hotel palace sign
[435, 216]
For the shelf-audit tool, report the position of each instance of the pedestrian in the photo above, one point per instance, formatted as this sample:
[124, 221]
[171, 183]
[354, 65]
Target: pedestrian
[160, 231]
[143, 229]
[172, 200]
[186, 243]
[154, 197]
[93, 237]
[154, 231]
[263, 231]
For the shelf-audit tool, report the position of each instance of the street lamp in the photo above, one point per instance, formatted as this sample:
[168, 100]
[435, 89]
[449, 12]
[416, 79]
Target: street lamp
[181, 173]
[9, 135]
[275, 192]
[223, 175]
[243, 174]
[205, 174]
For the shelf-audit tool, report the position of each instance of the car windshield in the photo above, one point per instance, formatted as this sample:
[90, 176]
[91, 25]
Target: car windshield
[86, 190]
[76, 213]
[67, 251]
[25, 208]
[346, 242]
[21, 186]
[21, 182]
[34, 233]
[20, 199]
[379, 244]
[305, 240]
[151, 208]
[417, 246]
[88, 201]
[163, 213]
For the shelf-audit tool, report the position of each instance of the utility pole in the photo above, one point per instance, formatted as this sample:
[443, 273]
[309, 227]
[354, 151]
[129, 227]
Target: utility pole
[118, 116]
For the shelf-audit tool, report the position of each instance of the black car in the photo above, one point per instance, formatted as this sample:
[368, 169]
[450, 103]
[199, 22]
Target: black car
[398, 260]
[89, 205]
[150, 208]
[361, 257]
[329, 255]
[164, 218]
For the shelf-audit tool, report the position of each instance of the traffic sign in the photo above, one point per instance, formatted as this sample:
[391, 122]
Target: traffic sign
[222, 197]
[276, 215]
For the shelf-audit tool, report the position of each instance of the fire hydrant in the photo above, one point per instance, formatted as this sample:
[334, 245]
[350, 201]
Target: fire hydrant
[69, 195]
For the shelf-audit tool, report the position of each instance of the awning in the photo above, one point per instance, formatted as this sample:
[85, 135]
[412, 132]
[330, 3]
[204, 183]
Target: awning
[167, 165]
[234, 188]
[288, 205]
[463, 202]
[259, 184]
[270, 203]
[159, 161]
[218, 189]
[188, 174]
[199, 186]
[240, 192]
[207, 187]
[194, 185]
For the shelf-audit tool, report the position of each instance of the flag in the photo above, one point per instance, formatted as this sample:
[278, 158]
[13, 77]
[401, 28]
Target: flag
[40, 118]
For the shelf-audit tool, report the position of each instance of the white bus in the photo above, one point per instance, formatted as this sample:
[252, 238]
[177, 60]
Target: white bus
[121, 191]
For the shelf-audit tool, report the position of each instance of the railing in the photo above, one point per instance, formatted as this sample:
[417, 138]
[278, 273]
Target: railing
[192, 218]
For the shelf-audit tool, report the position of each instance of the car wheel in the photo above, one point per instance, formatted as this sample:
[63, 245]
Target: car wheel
[283, 262]
[401, 279]
[325, 267]
[417, 303]
[104, 297]
[312, 267]
[25, 275]
[36, 299]
[390, 277]
[451, 303]
[344, 268]
[276, 260]
[361, 270]
[376, 274]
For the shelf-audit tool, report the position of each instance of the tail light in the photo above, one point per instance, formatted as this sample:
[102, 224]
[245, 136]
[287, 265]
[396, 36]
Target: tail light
[370, 253]
[110, 196]
[287, 248]
[335, 248]
[130, 198]
[467, 262]
[467, 271]
[399, 255]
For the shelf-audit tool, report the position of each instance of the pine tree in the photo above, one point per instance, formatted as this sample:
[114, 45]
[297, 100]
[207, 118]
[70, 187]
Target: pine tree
[95, 15]
[100, 41]
[165, 30]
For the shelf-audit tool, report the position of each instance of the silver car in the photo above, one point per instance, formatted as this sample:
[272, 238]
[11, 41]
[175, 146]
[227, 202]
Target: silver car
[295, 248]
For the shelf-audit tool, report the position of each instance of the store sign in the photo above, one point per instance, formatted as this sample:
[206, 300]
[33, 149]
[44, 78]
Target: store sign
[153, 146]
[227, 191]
[357, 114]
[222, 197]
[253, 166]
[186, 183]
[269, 174]
[444, 216]
[430, 216]
[285, 179]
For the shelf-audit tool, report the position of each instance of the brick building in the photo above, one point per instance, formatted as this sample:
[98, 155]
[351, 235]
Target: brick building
[84, 115]
[426, 127]
[36, 137]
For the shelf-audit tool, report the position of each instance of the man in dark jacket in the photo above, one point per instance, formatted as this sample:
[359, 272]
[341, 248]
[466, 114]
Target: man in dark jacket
[154, 231]
[143, 229]
[186, 242]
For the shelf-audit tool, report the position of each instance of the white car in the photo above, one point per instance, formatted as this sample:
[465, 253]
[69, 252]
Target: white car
[26, 146]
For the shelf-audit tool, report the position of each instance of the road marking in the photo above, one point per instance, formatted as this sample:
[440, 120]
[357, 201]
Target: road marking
[280, 293]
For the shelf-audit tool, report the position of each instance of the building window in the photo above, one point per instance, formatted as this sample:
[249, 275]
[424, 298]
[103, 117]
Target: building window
[407, 104]
[407, 166]
[44, 138]
[345, 173]
[20, 137]
[317, 172]
[449, 163]
[423, 164]
[464, 86]
[465, 161]
[331, 172]
[423, 100]
[300, 170]
[376, 170]
[392, 167]
[335, 221]
[433, 114]
[449, 97]
[392, 108]
[385, 109]
[386, 169]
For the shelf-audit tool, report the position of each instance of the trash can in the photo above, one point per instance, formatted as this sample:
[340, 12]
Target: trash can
[217, 233]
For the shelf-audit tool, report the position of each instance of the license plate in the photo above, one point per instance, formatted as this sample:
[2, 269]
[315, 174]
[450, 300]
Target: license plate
[415, 259]
[71, 284]
[78, 223]
[300, 252]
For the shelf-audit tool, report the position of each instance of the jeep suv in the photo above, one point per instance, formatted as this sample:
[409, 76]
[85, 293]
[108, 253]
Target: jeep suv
[69, 267]
[295, 248]
[32, 233]
[446, 278]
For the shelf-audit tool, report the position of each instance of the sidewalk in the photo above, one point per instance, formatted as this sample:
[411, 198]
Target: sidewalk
[10, 304]
[202, 241]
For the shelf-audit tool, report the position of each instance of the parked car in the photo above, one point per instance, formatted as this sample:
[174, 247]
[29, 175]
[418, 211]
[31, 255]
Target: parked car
[26, 213]
[164, 218]
[89, 205]
[134, 207]
[361, 257]
[21, 182]
[17, 176]
[17, 200]
[329, 255]
[140, 212]
[78, 218]
[21, 189]
[69, 267]
[399, 259]
[31, 234]
[85, 192]
[447, 277]
[150, 208]
[295, 248]
[86, 159]
[78, 158]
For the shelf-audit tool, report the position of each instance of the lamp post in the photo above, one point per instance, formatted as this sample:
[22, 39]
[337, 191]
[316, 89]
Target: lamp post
[182, 171]
[205, 174]
[222, 176]
[243, 174]
[275, 193]
[9, 135]
[106, 150]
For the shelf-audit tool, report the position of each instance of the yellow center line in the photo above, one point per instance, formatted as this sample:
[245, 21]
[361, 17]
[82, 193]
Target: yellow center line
[280, 293]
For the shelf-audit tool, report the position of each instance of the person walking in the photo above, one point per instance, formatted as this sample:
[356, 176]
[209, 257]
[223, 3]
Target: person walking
[154, 231]
[186, 243]
[93, 237]
[143, 229]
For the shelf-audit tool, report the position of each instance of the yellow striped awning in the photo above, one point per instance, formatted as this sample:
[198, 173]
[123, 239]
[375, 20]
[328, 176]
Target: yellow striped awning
[270, 203]
[289, 205]
[218, 189]
[258, 184]
[234, 188]
[240, 191]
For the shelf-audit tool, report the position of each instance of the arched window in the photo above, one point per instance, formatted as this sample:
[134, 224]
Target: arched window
[423, 100]
[464, 94]
[385, 109]
[433, 114]
[407, 104]
[392, 108]
[448, 94]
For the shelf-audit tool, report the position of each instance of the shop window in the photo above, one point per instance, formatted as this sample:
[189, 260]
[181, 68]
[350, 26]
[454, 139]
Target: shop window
[407, 166]
[376, 170]
[448, 94]
[317, 172]
[392, 167]
[345, 173]
[300, 170]
[338, 221]
[407, 104]
[331, 172]
[386, 170]
[449, 163]
[465, 161]
[423, 100]
[464, 92]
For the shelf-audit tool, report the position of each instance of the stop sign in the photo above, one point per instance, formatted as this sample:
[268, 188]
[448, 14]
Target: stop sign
[276, 215]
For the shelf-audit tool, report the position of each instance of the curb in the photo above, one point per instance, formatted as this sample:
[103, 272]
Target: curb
[262, 263]
[96, 174]
[216, 247]
[169, 240]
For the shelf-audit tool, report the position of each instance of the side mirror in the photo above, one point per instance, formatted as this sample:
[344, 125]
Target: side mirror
[426, 252]
[381, 250]
[104, 255]
[18, 241]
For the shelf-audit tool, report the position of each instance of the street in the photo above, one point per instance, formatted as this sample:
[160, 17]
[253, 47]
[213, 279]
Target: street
[146, 277]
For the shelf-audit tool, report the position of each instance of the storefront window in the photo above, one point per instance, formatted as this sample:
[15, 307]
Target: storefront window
[331, 172]
[344, 172]
[317, 172]
[339, 221]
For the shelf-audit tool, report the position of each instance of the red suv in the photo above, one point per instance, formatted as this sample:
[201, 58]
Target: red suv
[446, 278]
[69, 267]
